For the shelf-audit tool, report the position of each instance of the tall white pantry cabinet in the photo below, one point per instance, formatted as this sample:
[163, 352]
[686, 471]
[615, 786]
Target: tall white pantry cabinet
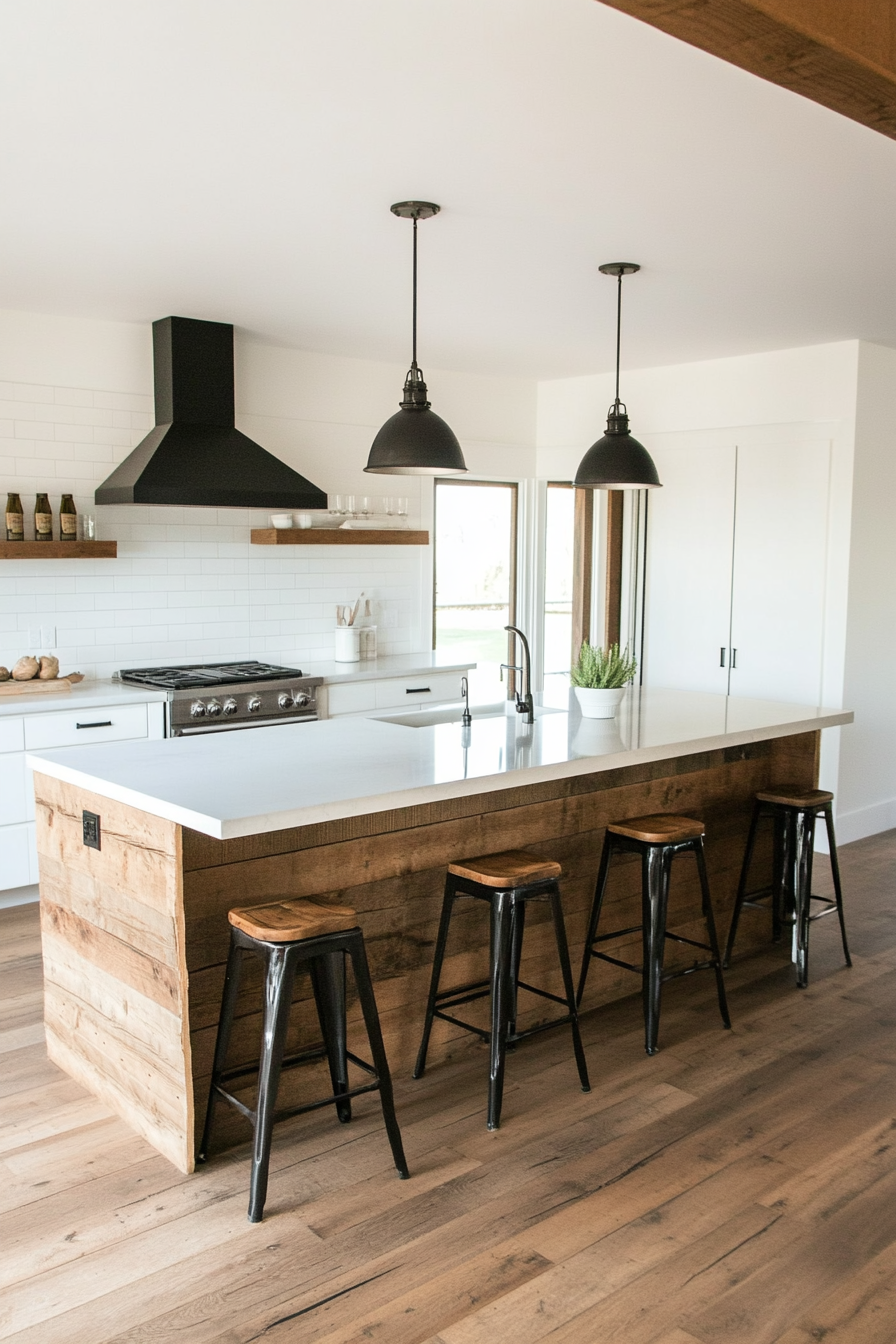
[735, 584]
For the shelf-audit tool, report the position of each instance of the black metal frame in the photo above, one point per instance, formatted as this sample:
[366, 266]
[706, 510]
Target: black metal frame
[507, 907]
[656, 864]
[790, 889]
[325, 957]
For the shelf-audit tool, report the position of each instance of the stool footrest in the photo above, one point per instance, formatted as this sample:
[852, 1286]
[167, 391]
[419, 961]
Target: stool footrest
[512, 1036]
[614, 961]
[689, 970]
[252, 1115]
[677, 938]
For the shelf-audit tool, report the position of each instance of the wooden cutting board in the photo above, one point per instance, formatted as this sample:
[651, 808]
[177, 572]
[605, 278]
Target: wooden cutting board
[36, 687]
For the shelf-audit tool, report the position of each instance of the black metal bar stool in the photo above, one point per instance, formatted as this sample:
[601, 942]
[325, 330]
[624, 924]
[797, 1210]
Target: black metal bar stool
[506, 882]
[657, 839]
[286, 935]
[793, 811]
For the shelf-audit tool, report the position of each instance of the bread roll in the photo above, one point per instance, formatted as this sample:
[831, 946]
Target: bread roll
[49, 667]
[26, 669]
[4, 674]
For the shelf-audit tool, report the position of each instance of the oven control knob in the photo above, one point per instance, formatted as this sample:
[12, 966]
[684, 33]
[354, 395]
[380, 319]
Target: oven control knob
[197, 709]
[213, 708]
[302, 699]
[230, 705]
[284, 700]
[254, 704]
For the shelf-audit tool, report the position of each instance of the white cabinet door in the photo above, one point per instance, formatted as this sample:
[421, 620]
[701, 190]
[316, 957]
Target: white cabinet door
[780, 560]
[16, 853]
[13, 792]
[688, 589]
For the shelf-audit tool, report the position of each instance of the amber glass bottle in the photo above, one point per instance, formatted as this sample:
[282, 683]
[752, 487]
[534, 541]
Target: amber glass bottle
[68, 519]
[43, 519]
[15, 518]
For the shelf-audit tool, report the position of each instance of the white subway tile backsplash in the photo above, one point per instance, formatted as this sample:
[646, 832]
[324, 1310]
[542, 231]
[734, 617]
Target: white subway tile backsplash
[187, 584]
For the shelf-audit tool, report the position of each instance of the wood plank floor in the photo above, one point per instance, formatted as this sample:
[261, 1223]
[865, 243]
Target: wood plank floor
[738, 1188]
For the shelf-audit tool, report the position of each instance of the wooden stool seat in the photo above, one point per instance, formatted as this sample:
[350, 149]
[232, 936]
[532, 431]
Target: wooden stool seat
[512, 868]
[291, 921]
[662, 828]
[789, 795]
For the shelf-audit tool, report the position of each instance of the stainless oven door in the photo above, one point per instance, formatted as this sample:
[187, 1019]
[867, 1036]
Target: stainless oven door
[193, 730]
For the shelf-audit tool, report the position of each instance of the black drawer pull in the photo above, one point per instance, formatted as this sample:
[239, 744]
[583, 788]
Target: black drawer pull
[107, 723]
[418, 690]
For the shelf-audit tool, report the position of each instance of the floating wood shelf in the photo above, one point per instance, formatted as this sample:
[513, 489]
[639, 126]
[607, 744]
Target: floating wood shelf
[58, 550]
[337, 536]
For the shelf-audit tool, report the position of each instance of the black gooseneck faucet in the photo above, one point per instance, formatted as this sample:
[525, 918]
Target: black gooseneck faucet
[524, 703]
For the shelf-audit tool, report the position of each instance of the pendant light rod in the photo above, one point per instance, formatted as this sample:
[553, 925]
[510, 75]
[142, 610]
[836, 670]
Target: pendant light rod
[414, 319]
[619, 269]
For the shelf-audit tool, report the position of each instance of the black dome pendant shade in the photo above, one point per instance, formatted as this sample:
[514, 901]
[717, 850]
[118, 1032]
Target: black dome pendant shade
[415, 441]
[617, 461]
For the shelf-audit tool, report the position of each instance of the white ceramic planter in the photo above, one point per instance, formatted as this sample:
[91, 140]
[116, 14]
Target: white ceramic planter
[598, 704]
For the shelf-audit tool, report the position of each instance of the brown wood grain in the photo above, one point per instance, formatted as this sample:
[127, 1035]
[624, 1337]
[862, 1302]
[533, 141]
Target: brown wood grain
[613, 585]
[58, 550]
[582, 570]
[840, 53]
[337, 536]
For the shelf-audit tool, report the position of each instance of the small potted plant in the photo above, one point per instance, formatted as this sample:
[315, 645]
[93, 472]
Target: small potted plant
[600, 677]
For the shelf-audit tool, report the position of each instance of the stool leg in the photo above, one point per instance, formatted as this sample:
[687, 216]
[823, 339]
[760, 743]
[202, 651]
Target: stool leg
[835, 874]
[742, 884]
[599, 890]
[517, 928]
[441, 944]
[279, 976]
[501, 906]
[225, 1022]
[566, 969]
[654, 901]
[711, 930]
[803, 828]
[779, 864]
[377, 1049]
[328, 980]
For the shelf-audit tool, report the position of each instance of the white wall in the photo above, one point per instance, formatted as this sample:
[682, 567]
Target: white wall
[867, 798]
[76, 396]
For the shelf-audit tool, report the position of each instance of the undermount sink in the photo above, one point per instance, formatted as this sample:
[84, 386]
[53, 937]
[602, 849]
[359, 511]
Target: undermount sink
[428, 718]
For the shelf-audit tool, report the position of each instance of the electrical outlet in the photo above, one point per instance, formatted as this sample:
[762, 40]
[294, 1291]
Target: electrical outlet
[90, 827]
[34, 637]
[48, 637]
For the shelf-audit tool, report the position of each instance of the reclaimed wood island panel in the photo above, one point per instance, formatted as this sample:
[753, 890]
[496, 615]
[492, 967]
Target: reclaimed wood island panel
[135, 934]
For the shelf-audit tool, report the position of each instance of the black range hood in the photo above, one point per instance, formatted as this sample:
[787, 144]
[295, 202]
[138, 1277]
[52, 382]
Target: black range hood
[196, 455]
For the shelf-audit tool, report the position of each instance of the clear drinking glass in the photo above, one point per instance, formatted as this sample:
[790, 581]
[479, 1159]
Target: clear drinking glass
[364, 506]
[87, 523]
[350, 503]
[388, 505]
[335, 504]
[401, 506]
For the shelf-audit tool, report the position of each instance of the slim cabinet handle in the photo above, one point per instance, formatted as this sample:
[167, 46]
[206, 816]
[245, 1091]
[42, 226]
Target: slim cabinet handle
[106, 723]
[722, 656]
[734, 658]
[418, 690]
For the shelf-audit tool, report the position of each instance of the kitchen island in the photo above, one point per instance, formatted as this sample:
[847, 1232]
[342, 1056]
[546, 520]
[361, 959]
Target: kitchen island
[367, 813]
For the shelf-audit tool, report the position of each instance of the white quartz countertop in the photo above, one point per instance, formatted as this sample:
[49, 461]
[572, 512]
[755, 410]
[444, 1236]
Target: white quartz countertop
[395, 665]
[82, 696]
[267, 779]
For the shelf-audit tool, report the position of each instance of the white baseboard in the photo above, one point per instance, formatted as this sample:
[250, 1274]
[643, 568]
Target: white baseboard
[866, 821]
[19, 896]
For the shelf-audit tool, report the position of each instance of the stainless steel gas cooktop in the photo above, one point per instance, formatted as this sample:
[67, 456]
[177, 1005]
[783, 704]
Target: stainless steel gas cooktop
[211, 697]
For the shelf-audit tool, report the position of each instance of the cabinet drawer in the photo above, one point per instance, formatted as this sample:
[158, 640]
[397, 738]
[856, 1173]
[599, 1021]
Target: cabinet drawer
[353, 698]
[16, 844]
[12, 735]
[13, 792]
[422, 690]
[101, 723]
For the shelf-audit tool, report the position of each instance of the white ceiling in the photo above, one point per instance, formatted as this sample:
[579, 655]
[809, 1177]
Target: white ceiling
[235, 159]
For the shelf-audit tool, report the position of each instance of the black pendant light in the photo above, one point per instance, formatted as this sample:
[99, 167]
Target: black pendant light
[415, 441]
[617, 461]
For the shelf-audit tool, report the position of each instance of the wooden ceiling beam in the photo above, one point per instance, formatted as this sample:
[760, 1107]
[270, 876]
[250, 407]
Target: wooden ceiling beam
[840, 53]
